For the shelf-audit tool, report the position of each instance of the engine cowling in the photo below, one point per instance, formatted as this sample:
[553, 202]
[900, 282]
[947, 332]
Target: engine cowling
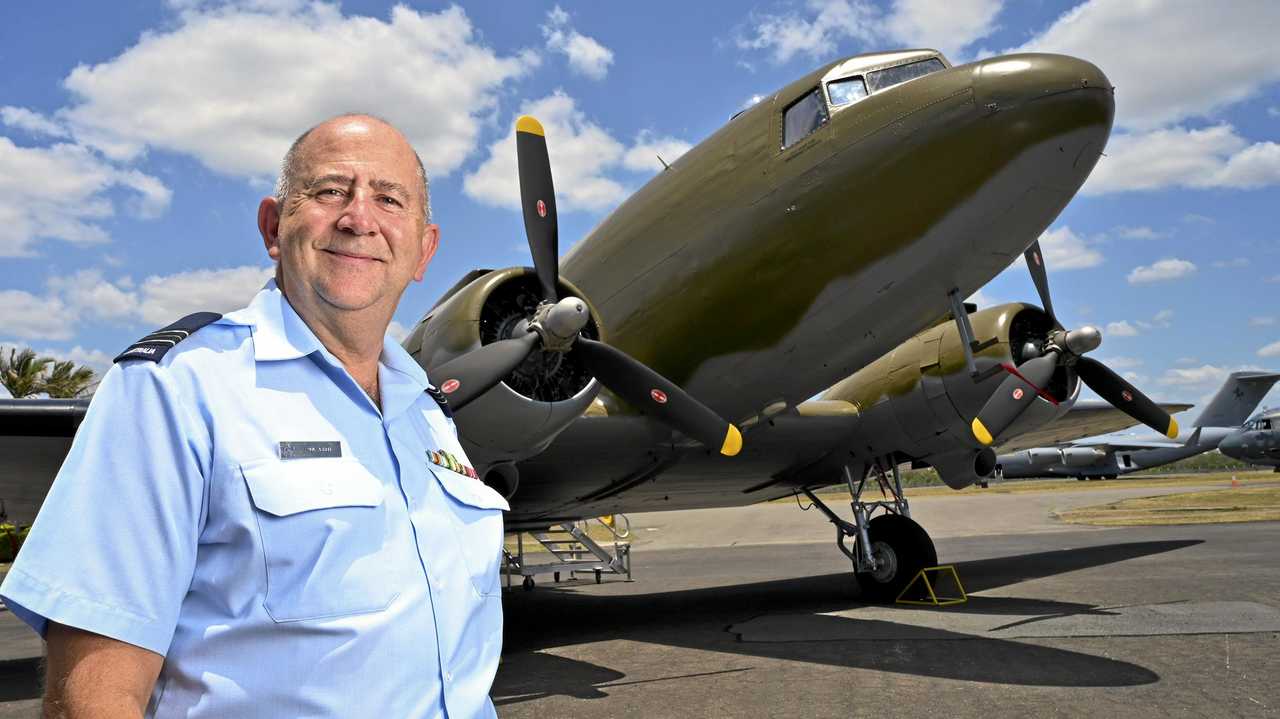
[919, 400]
[1082, 456]
[961, 469]
[522, 414]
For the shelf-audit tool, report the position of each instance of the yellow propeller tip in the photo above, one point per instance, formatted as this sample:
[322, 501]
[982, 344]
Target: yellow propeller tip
[1173, 429]
[529, 124]
[980, 431]
[732, 442]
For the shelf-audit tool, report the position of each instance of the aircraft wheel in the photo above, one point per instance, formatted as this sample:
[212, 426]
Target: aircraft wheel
[528, 584]
[901, 548]
[1112, 476]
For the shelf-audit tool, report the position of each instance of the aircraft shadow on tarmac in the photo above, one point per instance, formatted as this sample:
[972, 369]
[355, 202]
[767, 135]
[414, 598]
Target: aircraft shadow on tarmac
[20, 679]
[696, 619]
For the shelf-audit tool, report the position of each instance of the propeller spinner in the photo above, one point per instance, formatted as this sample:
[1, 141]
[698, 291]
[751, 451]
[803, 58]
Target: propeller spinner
[1062, 348]
[556, 324]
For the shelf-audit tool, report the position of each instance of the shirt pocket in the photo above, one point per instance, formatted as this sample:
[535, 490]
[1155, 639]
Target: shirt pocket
[323, 527]
[476, 514]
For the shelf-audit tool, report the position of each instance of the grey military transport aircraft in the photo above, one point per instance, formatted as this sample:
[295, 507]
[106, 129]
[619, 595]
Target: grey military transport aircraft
[1109, 457]
[809, 236]
[1257, 441]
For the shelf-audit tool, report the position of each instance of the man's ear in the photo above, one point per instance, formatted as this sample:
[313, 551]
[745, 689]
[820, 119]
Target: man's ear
[430, 241]
[269, 226]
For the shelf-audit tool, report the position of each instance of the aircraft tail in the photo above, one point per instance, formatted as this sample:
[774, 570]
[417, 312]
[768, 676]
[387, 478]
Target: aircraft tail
[1237, 399]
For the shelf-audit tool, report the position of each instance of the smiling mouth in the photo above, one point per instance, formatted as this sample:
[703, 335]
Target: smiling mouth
[349, 256]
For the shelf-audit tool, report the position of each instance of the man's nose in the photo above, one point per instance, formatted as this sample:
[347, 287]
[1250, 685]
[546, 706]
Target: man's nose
[357, 216]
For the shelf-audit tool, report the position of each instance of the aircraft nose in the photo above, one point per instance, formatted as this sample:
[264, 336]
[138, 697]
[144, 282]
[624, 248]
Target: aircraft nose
[1232, 445]
[1018, 81]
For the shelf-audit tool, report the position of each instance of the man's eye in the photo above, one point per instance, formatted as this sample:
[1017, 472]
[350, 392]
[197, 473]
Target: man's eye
[386, 200]
[329, 192]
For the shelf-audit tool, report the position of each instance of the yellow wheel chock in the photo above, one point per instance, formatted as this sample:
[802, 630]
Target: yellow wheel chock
[925, 588]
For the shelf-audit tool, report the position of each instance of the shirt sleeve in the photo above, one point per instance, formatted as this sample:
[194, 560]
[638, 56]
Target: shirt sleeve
[113, 547]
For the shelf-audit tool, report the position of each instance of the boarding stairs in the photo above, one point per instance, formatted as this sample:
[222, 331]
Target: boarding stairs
[572, 550]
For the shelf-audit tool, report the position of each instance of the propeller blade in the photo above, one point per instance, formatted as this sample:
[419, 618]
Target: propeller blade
[1014, 395]
[658, 396]
[538, 200]
[1125, 397]
[1035, 263]
[464, 378]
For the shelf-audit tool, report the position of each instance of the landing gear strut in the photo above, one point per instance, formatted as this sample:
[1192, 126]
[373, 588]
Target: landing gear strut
[888, 549]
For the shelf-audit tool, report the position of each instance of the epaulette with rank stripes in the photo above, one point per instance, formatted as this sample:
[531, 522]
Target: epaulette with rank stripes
[154, 346]
[441, 400]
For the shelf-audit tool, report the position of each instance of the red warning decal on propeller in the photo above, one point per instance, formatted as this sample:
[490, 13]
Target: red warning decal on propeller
[1017, 393]
[1128, 396]
[658, 396]
[450, 386]
[542, 209]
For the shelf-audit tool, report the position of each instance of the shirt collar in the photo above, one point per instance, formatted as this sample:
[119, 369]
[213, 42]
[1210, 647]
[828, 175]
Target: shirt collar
[280, 334]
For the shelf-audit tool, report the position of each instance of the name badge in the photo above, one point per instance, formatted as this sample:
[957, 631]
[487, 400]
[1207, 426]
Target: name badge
[309, 450]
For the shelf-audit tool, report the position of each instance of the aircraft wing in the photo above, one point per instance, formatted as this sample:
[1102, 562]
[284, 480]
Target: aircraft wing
[1087, 418]
[602, 465]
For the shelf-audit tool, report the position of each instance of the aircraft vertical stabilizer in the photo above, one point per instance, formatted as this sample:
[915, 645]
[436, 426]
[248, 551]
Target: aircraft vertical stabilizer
[1237, 399]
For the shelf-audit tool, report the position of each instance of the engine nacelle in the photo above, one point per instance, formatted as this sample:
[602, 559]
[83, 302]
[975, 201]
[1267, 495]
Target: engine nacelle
[961, 469]
[920, 399]
[522, 414]
[1042, 456]
[1082, 456]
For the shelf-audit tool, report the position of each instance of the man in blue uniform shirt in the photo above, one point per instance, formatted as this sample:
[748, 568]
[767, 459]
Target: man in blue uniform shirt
[249, 523]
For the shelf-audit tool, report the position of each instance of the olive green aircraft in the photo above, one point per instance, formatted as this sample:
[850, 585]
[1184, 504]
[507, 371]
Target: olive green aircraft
[665, 362]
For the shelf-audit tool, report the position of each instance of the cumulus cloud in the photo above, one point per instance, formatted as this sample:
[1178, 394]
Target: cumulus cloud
[1233, 263]
[1271, 350]
[1139, 233]
[1065, 250]
[1119, 363]
[425, 72]
[1203, 375]
[1121, 329]
[1179, 157]
[586, 55]
[63, 192]
[647, 148]
[1165, 65]
[583, 156]
[158, 300]
[31, 122]
[818, 30]
[1170, 268]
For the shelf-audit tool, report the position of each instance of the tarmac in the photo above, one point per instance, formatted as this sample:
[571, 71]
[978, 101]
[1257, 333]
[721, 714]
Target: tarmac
[753, 612]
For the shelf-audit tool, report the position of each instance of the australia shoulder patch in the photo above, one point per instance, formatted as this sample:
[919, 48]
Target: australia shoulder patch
[154, 346]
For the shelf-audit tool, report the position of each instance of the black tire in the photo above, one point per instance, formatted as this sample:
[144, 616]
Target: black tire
[907, 548]
[528, 584]
[1111, 476]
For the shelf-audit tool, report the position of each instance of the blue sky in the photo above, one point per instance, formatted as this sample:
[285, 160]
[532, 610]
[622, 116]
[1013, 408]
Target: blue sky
[136, 140]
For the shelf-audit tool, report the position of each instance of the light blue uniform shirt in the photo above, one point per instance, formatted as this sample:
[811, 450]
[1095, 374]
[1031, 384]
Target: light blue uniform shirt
[359, 585]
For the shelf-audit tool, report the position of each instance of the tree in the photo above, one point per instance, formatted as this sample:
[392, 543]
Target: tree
[23, 372]
[67, 380]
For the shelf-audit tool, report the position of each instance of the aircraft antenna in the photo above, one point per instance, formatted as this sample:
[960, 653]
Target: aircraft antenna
[665, 166]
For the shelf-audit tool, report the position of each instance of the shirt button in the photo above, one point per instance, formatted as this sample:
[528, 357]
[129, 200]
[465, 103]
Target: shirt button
[448, 676]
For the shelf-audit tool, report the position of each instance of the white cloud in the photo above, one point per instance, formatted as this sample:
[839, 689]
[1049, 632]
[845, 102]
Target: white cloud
[582, 153]
[1271, 350]
[163, 299]
[88, 295]
[1165, 62]
[31, 122]
[1135, 377]
[645, 151]
[1203, 375]
[1121, 329]
[586, 55]
[1170, 268]
[96, 360]
[1139, 233]
[61, 192]
[1119, 363]
[1261, 321]
[819, 29]
[1065, 250]
[397, 332]
[26, 316]
[253, 77]
[1178, 157]
[1163, 318]
[1234, 263]
[1186, 361]
[982, 299]
[752, 101]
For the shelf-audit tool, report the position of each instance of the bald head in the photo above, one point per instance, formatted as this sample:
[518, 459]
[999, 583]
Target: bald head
[293, 167]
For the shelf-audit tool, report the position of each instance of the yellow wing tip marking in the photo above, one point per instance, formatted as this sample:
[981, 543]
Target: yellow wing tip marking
[732, 442]
[980, 431]
[1173, 429]
[529, 124]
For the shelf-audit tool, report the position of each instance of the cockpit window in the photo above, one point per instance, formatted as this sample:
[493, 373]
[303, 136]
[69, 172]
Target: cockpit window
[890, 76]
[847, 90]
[803, 117]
